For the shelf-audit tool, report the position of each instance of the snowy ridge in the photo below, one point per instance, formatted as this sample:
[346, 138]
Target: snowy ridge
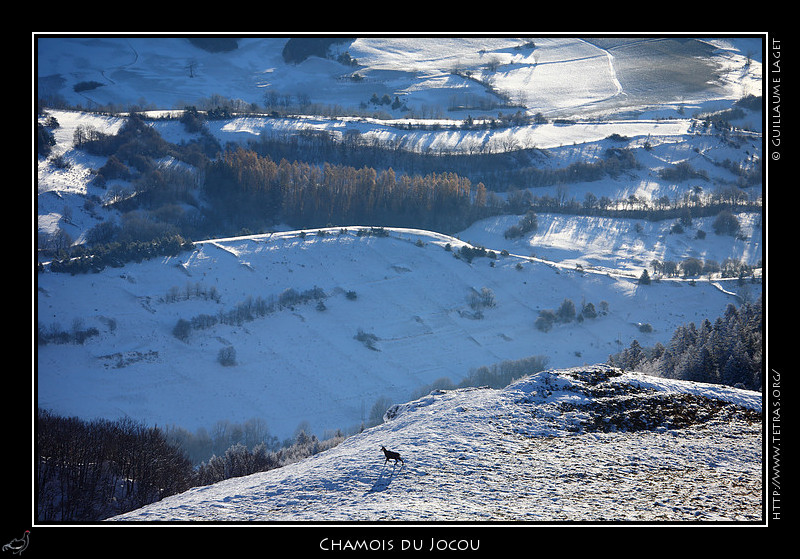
[529, 452]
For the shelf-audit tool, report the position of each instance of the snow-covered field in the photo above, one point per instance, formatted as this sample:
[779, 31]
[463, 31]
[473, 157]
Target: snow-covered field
[466, 458]
[516, 455]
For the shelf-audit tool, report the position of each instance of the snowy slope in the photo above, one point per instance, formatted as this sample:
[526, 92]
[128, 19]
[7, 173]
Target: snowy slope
[304, 365]
[620, 245]
[533, 451]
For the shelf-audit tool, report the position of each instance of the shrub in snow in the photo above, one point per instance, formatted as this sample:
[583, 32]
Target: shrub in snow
[227, 356]
[367, 339]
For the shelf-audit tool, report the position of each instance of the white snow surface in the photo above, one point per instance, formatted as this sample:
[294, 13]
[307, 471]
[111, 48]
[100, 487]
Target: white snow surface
[510, 455]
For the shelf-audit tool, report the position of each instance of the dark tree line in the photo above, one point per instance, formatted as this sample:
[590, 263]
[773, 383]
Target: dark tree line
[728, 351]
[83, 259]
[90, 470]
[248, 310]
[499, 169]
[245, 185]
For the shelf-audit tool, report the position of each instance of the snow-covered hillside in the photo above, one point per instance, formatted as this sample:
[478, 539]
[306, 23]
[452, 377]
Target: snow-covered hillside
[300, 364]
[585, 444]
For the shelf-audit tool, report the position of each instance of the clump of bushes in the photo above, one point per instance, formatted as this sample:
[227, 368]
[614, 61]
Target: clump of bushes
[694, 267]
[566, 313]
[468, 253]
[239, 460]
[726, 224]
[55, 335]
[248, 310]
[479, 300]
[368, 339]
[372, 232]
[227, 356]
[482, 299]
[528, 224]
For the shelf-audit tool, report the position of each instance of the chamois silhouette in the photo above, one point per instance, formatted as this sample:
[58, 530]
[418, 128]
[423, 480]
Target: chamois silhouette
[391, 455]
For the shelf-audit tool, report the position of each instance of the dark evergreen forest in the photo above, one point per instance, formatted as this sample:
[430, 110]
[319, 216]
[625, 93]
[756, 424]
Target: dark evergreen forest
[727, 351]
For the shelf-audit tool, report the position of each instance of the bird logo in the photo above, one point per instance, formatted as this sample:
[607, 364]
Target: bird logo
[18, 545]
